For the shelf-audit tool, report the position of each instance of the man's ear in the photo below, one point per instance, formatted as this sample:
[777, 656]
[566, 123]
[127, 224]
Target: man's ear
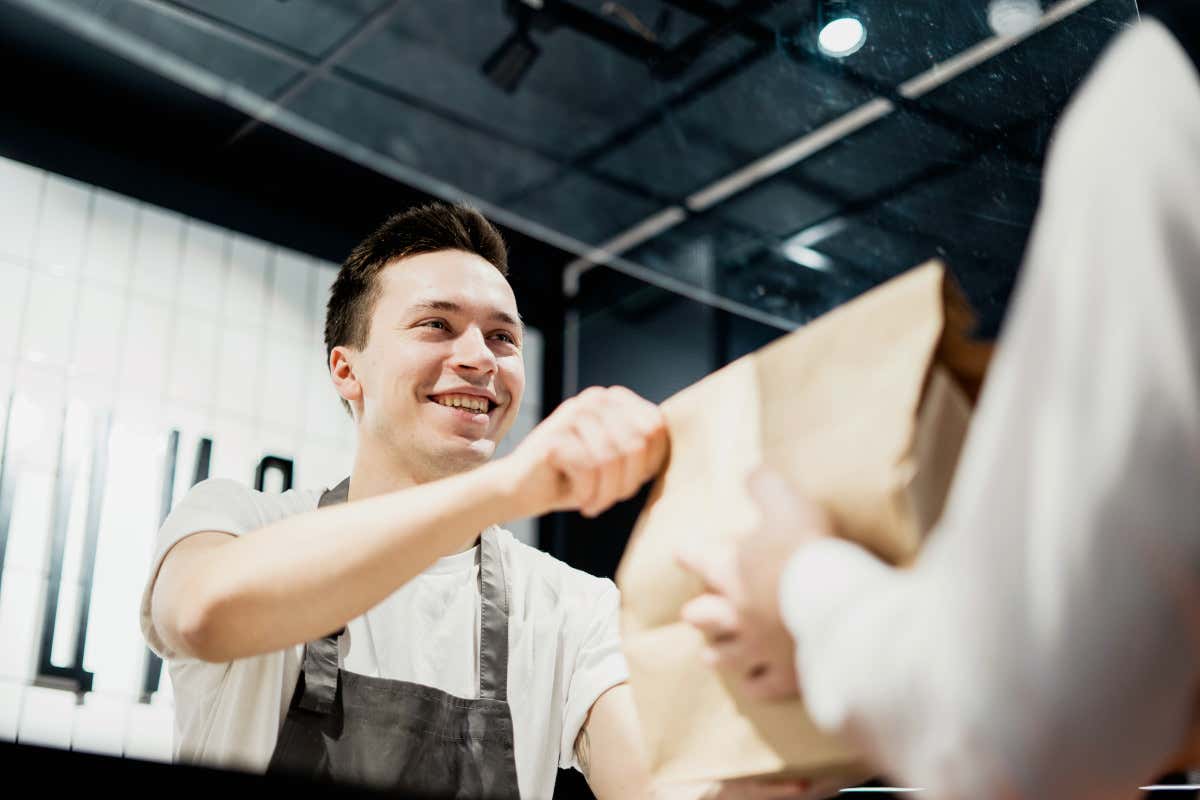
[341, 372]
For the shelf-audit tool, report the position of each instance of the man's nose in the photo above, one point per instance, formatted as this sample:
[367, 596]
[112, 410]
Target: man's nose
[471, 352]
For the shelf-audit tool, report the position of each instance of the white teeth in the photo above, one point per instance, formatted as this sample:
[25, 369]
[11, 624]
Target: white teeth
[478, 404]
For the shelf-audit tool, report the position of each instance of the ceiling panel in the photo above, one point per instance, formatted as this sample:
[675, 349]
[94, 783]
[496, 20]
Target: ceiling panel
[771, 102]
[670, 158]
[225, 59]
[312, 27]
[463, 158]
[584, 208]
[725, 108]
[1035, 79]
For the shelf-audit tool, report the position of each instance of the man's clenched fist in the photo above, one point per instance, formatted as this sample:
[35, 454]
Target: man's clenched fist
[596, 449]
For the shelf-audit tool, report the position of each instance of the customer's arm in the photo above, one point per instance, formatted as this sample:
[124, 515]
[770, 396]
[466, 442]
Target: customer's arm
[218, 597]
[1046, 644]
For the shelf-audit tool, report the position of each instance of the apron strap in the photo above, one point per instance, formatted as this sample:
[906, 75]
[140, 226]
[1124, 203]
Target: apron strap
[320, 673]
[320, 666]
[493, 620]
[337, 494]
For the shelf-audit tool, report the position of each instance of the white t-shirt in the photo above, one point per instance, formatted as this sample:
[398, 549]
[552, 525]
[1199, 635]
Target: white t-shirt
[564, 647]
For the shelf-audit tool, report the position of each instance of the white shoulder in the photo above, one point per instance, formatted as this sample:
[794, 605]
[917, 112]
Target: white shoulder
[234, 507]
[218, 487]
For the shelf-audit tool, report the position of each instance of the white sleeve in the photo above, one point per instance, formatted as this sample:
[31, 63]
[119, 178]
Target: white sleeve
[1045, 644]
[599, 665]
[217, 504]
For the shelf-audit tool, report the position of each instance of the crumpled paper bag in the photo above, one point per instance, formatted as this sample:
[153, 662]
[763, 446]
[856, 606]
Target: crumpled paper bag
[864, 410]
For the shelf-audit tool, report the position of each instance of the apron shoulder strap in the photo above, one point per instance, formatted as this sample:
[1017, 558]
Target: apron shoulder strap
[493, 620]
[319, 670]
[320, 673]
[338, 494]
[320, 667]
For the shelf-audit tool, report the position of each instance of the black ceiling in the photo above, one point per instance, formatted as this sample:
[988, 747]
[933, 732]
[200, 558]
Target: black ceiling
[637, 106]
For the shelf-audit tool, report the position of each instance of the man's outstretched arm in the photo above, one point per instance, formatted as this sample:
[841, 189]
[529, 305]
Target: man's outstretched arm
[219, 597]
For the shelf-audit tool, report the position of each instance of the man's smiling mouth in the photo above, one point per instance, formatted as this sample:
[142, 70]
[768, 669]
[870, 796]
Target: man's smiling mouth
[467, 402]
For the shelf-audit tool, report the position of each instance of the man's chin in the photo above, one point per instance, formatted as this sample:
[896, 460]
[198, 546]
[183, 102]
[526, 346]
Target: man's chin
[463, 456]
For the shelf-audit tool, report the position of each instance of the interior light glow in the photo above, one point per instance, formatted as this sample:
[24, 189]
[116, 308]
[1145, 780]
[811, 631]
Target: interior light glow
[805, 256]
[1013, 17]
[842, 37]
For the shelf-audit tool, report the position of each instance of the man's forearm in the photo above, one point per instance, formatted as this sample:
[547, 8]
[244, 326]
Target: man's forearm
[303, 577]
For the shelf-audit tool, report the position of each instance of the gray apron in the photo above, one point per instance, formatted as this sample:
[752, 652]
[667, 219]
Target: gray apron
[403, 736]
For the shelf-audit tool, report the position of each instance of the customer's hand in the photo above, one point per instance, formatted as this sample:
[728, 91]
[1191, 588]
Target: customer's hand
[739, 610]
[594, 450]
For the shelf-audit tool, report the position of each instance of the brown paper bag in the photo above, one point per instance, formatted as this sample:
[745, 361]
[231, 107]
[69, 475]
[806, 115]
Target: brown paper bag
[864, 410]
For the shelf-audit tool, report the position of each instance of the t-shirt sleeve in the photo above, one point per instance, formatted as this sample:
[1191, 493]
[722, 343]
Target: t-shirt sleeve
[217, 504]
[599, 663]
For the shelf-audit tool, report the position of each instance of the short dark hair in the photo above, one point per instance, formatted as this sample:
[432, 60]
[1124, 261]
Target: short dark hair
[423, 229]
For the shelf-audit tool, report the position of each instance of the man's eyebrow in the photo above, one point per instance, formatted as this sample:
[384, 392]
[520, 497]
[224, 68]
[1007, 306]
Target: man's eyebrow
[455, 308]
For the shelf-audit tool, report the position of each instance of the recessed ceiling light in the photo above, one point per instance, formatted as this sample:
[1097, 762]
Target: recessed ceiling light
[806, 257]
[841, 37]
[1013, 17]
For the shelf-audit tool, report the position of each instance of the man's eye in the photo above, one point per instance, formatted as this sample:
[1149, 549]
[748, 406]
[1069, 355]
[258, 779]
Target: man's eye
[507, 337]
[436, 323]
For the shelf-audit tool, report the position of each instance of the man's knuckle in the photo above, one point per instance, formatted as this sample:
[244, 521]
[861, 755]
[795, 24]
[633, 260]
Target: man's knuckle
[631, 448]
[606, 452]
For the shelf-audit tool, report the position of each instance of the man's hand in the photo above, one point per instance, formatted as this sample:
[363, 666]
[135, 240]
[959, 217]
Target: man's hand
[739, 611]
[594, 450]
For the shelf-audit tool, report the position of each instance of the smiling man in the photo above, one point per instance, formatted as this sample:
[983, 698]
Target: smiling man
[386, 630]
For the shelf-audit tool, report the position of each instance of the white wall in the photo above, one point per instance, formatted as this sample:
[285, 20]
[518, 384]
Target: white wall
[115, 309]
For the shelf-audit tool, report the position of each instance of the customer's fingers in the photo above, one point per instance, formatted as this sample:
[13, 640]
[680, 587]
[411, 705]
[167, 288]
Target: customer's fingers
[713, 573]
[770, 682]
[712, 615]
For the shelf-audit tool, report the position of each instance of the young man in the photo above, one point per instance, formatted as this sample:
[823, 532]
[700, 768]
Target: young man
[387, 630]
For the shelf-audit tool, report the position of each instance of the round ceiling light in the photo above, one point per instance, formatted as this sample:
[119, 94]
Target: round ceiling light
[841, 37]
[1013, 17]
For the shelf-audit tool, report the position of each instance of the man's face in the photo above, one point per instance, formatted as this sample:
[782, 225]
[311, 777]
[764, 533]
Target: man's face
[442, 373]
